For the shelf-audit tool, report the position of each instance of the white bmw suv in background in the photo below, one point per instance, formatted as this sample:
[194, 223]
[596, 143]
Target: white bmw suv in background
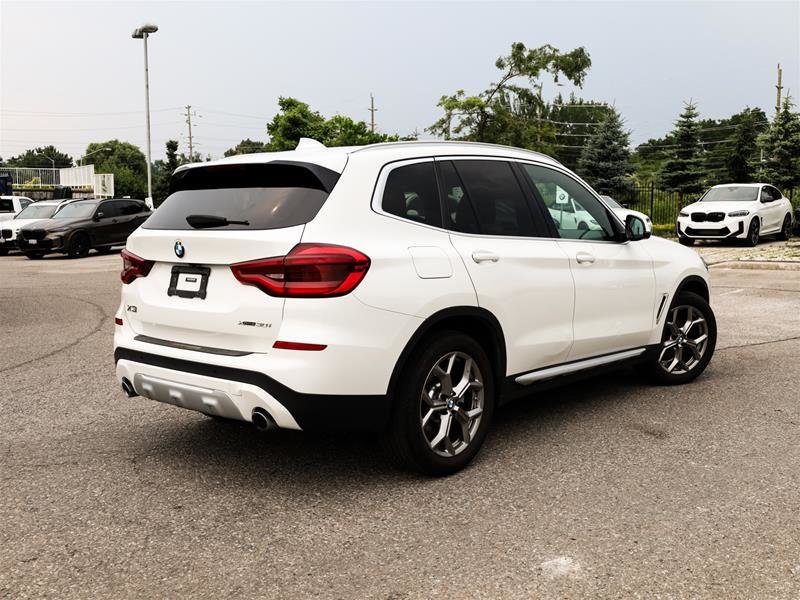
[406, 288]
[736, 211]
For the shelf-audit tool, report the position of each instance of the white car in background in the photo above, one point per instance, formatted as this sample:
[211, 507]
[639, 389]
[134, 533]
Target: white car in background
[743, 211]
[10, 206]
[623, 212]
[406, 288]
[36, 211]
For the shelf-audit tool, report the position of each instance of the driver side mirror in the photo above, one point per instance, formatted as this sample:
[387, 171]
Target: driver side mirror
[635, 229]
[98, 215]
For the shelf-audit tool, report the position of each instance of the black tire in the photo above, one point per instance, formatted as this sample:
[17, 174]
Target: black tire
[35, 255]
[3, 251]
[753, 233]
[653, 366]
[684, 241]
[79, 245]
[786, 229]
[405, 441]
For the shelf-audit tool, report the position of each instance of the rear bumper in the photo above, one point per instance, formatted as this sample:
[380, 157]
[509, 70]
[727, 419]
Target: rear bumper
[235, 393]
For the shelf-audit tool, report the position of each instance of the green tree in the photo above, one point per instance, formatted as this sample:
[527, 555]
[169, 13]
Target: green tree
[40, 158]
[125, 161]
[506, 110]
[781, 144]
[162, 172]
[683, 170]
[574, 121]
[247, 146]
[605, 160]
[296, 120]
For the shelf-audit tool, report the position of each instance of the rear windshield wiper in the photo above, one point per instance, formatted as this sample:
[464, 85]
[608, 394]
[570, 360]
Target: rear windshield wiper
[208, 221]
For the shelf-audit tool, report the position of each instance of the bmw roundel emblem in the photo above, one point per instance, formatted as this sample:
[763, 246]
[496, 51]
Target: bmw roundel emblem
[179, 249]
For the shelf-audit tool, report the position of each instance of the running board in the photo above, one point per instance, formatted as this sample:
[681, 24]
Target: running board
[550, 372]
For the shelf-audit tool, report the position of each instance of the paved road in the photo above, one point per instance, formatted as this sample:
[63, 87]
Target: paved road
[607, 488]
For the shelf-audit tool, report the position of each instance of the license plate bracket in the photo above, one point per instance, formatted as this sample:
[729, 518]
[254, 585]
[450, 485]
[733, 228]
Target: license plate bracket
[188, 281]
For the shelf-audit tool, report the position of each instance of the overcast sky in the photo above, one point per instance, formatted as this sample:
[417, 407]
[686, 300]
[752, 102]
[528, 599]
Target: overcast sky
[70, 73]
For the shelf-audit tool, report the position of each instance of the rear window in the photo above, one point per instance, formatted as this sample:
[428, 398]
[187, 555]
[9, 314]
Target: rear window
[268, 196]
[6, 205]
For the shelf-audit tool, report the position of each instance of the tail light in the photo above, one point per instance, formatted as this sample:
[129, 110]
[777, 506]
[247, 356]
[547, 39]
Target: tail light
[308, 271]
[134, 266]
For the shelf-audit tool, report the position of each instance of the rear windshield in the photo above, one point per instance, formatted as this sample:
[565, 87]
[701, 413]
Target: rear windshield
[268, 196]
[6, 205]
[731, 192]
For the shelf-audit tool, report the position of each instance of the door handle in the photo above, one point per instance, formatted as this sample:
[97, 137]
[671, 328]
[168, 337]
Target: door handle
[584, 257]
[480, 256]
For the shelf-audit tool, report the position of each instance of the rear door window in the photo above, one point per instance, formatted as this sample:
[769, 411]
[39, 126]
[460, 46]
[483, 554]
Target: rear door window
[491, 195]
[410, 193]
[262, 196]
[110, 209]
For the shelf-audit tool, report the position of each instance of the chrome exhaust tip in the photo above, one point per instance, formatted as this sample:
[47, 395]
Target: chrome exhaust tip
[262, 420]
[127, 387]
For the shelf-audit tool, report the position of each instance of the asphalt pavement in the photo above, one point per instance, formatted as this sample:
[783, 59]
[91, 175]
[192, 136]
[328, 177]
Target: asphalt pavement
[607, 488]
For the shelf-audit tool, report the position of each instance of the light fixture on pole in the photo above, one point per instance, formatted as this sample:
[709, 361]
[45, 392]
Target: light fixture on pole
[142, 33]
[80, 160]
[52, 161]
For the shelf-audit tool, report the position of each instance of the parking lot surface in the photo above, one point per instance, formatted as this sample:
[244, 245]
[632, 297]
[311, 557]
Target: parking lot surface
[607, 488]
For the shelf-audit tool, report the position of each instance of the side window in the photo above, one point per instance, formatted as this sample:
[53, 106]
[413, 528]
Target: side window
[775, 193]
[493, 197]
[130, 208]
[411, 193]
[766, 196]
[23, 203]
[109, 209]
[460, 213]
[576, 213]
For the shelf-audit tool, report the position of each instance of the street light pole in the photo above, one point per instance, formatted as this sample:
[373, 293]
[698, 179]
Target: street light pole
[143, 33]
[80, 160]
[52, 162]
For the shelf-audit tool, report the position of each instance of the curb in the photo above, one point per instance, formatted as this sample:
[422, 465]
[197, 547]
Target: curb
[768, 265]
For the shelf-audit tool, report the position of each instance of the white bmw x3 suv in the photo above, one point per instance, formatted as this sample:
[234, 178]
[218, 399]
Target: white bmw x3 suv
[736, 211]
[407, 288]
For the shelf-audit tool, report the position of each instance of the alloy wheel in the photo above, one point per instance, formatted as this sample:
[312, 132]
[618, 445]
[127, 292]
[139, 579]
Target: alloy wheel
[686, 340]
[754, 234]
[451, 404]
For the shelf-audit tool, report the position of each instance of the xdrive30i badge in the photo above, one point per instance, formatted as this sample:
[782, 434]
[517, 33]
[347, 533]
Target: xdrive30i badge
[179, 249]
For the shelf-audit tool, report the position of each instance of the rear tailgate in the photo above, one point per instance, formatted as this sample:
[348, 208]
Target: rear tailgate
[190, 295]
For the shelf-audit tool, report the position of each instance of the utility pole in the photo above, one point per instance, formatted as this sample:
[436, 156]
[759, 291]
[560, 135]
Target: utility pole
[372, 110]
[189, 122]
[779, 87]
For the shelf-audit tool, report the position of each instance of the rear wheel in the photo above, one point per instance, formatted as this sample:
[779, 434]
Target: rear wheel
[79, 245]
[687, 343]
[753, 233]
[786, 230]
[443, 406]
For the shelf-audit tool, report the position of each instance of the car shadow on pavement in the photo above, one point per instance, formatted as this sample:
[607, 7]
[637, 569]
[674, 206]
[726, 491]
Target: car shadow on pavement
[289, 460]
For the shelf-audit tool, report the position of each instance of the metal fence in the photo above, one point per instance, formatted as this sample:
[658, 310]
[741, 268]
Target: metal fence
[23, 177]
[662, 206]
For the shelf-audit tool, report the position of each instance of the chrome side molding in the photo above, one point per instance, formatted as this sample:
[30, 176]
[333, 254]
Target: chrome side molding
[580, 365]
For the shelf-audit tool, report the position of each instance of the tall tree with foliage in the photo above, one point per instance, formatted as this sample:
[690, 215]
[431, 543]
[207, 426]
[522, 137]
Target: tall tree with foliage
[125, 161]
[605, 160]
[508, 111]
[296, 120]
[162, 172]
[683, 171]
[39, 158]
[781, 144]
[247, 146]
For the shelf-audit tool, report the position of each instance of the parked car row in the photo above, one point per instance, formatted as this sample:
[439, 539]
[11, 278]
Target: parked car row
[71, 227]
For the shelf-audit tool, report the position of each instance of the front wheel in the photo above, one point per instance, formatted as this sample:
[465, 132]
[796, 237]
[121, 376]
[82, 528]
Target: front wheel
[443, 406]
[79, 245]
[687, 343]
[753, 233]
[786, 230]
